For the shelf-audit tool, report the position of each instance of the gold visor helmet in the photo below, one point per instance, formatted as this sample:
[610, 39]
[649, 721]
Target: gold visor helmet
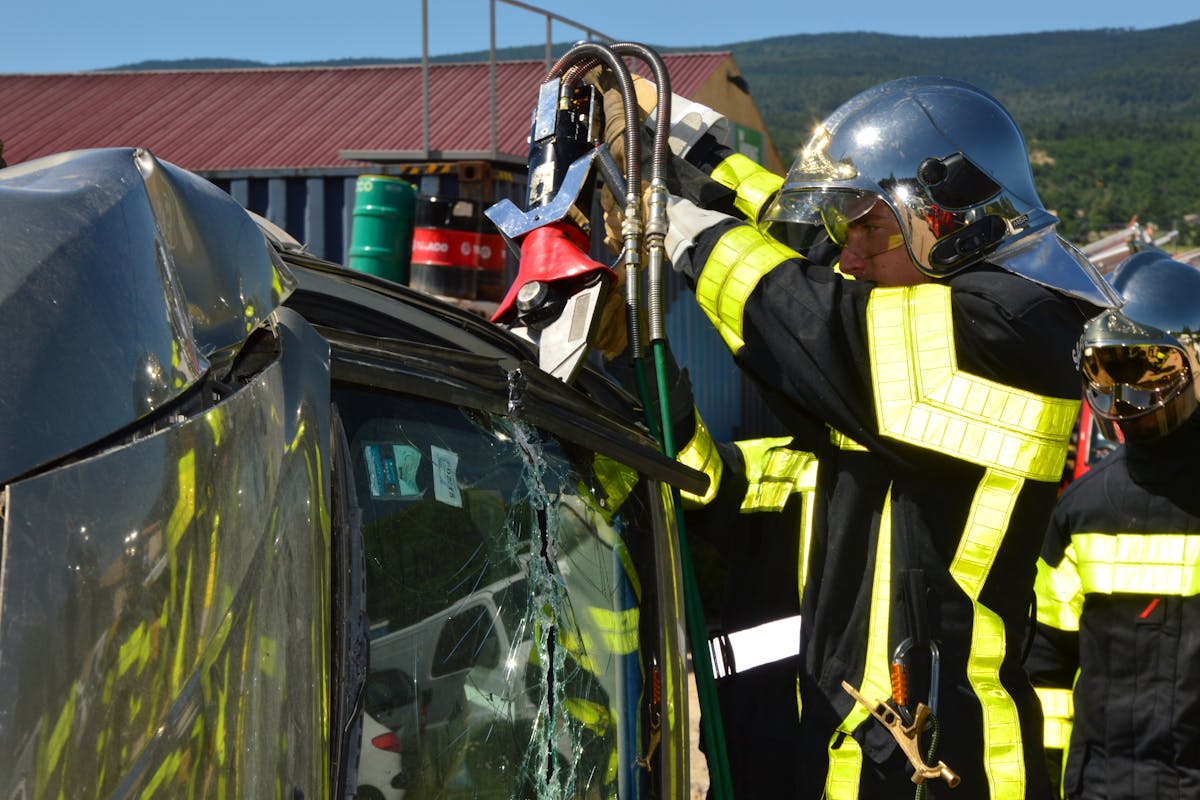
[950, 162]
[1140, 364]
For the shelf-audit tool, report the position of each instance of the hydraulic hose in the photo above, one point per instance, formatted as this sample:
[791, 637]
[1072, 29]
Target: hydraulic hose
[656, 229]
[586, 54]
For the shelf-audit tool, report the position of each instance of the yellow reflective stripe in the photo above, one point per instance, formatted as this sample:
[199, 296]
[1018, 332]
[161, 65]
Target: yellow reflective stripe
[845, 767]
[701, 455]
[167, 769]
[773, 472]
[618, 629]
[753, 183]
[843, 442]
[631, 574]
[618, 481]
[1058, 709]
[845, 761]
[807, 485]
[185, 502]
[1059, 593]
[739, 260]
[1138, 563]
[134, 651]
[921, 397]
[52, 747]
[1003, 758]
[589, 713]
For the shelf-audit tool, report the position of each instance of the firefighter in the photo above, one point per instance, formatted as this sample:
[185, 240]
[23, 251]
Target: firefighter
[958, 392]
[1120, 567]
[751, 531]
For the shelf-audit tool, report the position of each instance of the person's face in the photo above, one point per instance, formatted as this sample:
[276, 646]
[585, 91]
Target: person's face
[875, 251]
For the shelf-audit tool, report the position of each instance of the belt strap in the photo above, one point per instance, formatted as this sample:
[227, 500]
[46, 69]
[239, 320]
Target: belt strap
[741, 651]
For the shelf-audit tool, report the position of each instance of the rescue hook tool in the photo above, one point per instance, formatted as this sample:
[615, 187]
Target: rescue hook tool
[906, 736]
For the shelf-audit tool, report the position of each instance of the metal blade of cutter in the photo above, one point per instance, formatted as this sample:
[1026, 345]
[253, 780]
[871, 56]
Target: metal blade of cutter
[565, 342]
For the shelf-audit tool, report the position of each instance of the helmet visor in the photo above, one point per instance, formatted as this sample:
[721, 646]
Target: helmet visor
[833, 209]
[843, 217]
[1126, 380]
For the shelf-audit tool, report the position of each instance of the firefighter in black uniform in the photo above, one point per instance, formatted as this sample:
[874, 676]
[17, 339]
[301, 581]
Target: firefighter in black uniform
[960, 393]
[751, 531]
[1118, 614]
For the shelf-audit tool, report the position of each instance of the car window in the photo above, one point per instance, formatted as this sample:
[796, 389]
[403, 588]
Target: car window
[468, 639]
[510, 579]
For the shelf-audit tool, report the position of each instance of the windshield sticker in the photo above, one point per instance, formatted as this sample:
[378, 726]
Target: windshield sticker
[392, 469]
[445, 476]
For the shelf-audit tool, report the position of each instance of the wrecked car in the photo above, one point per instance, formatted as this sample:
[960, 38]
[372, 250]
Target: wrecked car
[276, 528]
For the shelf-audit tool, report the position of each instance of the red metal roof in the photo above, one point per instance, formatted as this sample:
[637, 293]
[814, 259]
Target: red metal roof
[282, 118]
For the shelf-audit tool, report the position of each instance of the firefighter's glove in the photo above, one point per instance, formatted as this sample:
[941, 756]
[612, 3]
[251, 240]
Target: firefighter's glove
[612, 331]
[686, 222]
[690, 121]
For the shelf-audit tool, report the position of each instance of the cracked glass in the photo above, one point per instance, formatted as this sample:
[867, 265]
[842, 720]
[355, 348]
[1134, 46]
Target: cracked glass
[515, 647]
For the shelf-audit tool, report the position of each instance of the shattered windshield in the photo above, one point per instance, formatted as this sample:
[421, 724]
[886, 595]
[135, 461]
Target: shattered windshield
[510, 594]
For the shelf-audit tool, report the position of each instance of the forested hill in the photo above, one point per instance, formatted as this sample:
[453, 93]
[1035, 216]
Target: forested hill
[1112, 117]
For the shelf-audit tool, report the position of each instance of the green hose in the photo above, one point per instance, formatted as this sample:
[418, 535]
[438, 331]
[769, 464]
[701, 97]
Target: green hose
[706, 685]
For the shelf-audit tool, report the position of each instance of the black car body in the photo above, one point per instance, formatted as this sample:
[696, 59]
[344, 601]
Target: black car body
[248, 496]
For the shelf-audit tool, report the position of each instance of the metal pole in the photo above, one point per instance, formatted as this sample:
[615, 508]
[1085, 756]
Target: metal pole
[425, 77]
[492, 140]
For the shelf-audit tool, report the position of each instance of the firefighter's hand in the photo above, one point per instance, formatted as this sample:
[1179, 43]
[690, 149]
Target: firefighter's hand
[686, 222]
[614, 137]
[612, 331]
[689, 122]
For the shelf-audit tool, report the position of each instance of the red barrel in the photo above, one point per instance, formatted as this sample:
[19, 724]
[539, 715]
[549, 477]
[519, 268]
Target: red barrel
[452, 255]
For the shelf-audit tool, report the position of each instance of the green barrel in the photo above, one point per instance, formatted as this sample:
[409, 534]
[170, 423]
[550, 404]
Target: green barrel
[381, 238]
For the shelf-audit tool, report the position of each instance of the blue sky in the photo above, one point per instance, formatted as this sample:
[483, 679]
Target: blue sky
[72, 35]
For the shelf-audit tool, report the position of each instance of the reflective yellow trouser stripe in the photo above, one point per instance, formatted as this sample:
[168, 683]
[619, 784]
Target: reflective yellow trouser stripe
[921, 397]
[700, 453]
[1058, 709]
[739, 260]
[753, 184]
[1059, 593]
[845, 757]
[1138, 563]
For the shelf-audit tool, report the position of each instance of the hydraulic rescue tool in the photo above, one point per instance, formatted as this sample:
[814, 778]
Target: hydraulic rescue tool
[560, 292]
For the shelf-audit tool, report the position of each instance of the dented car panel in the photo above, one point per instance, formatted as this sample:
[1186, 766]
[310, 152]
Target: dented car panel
[164, 601]
[121, 278]
[266, 498]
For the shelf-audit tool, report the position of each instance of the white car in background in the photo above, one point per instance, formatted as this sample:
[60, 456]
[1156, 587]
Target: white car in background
[380, 768]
